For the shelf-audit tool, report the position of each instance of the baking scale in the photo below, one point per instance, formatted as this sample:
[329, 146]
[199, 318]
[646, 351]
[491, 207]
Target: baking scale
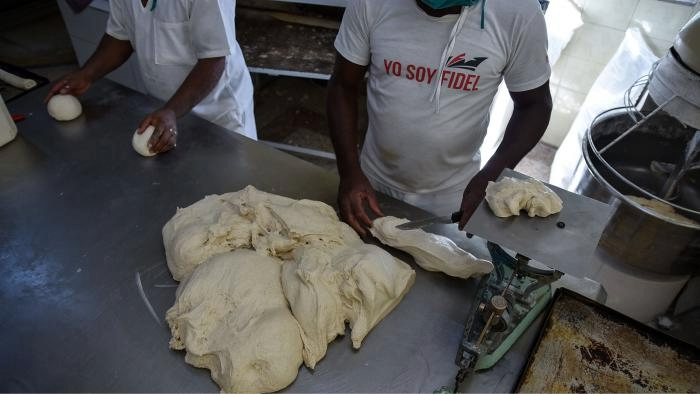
[528, 254]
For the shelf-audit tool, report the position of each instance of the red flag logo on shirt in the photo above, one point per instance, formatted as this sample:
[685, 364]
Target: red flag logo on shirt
[460, 62]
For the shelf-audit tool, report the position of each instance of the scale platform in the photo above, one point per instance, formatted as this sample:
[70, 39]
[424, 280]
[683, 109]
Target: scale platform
[565, 241]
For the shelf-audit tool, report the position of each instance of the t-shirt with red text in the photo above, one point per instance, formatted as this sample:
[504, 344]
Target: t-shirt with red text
[408, 146]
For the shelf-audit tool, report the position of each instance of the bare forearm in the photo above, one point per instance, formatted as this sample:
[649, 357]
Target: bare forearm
[110, 54]
[525, 128]
[199, 83]
[342, 118]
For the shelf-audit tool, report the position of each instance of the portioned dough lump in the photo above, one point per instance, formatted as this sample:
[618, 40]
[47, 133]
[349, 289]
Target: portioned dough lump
[64, 107]
[140, 142]
[509, 196]
[232, 318]
[432, 252]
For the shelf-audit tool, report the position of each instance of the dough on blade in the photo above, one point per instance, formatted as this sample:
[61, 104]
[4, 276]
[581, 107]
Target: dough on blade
[64, 107]
[232, 318]
[509, 196]
[326, 288]
[140, 141]
[432, 252]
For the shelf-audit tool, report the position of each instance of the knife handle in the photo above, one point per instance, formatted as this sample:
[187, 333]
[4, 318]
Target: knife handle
[456, 216]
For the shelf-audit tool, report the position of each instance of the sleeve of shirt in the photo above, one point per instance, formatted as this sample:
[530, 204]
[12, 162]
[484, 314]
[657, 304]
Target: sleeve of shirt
[352, 41]
[116, 24]
[212, 27]
[528, 67]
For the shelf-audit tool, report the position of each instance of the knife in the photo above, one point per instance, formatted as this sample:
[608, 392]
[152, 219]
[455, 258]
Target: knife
[452, 218]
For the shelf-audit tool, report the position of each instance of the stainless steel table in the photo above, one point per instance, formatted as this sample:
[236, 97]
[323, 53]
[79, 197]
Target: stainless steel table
[83, 280]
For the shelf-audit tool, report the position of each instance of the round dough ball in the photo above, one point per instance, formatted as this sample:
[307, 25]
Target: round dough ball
[140, 141]
[64, 107]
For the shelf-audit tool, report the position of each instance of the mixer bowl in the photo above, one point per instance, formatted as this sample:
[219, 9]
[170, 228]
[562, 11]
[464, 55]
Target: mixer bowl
[637, 235]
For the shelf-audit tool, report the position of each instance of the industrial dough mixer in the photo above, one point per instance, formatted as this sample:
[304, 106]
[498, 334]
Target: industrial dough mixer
[644, 159]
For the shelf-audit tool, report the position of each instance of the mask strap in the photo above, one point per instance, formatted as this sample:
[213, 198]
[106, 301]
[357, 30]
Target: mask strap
[445, 52]
[483, 13]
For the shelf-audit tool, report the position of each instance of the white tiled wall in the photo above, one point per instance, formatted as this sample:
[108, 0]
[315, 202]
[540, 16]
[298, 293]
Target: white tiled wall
[595, 42]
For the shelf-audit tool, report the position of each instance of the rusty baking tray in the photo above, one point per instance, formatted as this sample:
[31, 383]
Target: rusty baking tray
[585, 346]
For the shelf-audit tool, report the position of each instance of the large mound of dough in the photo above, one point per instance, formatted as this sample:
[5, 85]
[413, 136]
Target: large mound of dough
[359, 285]
[432, 252]
[509, 196]
[232, 317]
[231, 314]
[271, 224]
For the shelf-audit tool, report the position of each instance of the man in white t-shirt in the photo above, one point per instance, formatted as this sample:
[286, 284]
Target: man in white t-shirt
[434, 68]
[188, 57]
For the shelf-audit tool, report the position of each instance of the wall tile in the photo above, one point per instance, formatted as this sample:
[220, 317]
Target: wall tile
[594, 43]
[558, 70]
[660, 47]
[659, 19]
[566, 106]
[599, 12]
[580, 74]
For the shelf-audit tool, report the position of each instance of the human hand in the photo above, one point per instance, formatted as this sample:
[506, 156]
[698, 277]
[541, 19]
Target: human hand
[473, 195]
[75, 84]
[353, 193]
[164, 136]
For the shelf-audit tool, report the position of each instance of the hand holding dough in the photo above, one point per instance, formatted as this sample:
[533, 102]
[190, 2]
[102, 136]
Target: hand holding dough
[64, 107]
[509, 196]
[140, 142]
[432, 252]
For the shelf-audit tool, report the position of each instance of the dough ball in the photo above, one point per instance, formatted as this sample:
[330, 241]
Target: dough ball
[432, 252]
[64, 107]
[509, 196]
[140, 141]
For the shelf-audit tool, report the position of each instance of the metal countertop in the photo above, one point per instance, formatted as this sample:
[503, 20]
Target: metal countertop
[81, 252]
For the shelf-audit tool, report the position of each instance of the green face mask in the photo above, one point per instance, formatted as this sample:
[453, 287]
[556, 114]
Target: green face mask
[441, 4]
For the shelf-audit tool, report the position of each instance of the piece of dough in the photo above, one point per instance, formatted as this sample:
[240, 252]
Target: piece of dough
[232, 318]
[374, 282]
[311, 287]
[328, 276]
[509, 196]
[64, 107]
[140, 142]
[206, 228]
[325, 289]
[663, 210]
[432, 252]
[270, 224]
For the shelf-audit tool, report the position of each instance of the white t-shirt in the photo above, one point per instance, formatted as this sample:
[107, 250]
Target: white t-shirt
[169, 40]
[409, 147]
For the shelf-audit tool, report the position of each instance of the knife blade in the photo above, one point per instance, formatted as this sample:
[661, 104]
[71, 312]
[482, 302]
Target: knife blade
[447, 219]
